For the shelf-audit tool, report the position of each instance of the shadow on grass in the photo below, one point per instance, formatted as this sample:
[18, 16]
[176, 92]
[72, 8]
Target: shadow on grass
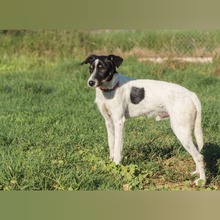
[5, 141]
[211, 154]
[140, 154]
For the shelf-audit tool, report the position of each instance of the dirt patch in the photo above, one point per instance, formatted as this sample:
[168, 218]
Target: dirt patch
[181, 59]
[144, 54]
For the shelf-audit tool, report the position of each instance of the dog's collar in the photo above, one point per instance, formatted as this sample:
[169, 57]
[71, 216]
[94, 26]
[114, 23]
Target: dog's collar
[110, 90]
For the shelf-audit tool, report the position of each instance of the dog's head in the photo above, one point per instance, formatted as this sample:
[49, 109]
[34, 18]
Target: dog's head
[102, 68]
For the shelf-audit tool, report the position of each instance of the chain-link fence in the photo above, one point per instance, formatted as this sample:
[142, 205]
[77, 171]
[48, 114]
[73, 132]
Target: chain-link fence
[140, 43]
[164, 43]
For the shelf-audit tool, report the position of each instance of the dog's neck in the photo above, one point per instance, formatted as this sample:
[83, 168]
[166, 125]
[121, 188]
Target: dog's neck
[111, 85]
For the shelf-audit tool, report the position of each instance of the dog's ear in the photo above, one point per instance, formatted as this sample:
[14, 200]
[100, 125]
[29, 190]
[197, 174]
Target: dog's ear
[89, 59]
[115, 59]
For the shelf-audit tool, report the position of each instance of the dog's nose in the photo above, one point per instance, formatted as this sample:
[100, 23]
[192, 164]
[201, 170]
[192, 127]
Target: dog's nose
[91, 83]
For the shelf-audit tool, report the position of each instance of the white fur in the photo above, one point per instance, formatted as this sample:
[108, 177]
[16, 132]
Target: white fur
[161, 99]
[92, 76]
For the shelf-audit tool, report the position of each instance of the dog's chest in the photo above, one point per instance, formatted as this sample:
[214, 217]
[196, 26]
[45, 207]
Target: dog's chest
[110, 103]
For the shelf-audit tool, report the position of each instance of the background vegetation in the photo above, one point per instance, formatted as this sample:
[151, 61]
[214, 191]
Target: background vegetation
[52, 136]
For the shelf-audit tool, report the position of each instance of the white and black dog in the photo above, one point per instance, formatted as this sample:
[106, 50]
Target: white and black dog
[119, 97]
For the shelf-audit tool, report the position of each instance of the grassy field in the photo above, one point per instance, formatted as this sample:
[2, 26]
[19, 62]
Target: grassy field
[52, 136]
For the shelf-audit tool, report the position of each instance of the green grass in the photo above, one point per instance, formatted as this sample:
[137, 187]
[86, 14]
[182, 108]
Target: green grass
[52, 137]
[56, 44]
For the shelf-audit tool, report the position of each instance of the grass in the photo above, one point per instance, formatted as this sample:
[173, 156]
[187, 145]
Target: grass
[53, 44]
[52, 136]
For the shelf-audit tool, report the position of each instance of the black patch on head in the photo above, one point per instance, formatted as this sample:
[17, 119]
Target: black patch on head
[137, 95]
[116, 60]
[104, 70]
[111, 61]
[90, 59]
[106, 67]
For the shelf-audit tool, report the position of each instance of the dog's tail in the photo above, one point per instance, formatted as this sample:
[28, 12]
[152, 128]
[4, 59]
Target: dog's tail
[198, 122]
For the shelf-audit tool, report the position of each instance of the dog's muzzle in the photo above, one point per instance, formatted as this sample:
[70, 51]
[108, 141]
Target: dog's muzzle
[93, 83]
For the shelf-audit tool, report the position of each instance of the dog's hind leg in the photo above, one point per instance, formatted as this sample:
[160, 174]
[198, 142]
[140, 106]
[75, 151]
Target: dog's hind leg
[184, 135]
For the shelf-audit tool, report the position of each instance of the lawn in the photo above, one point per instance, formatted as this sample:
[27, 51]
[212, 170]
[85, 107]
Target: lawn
[52, 137]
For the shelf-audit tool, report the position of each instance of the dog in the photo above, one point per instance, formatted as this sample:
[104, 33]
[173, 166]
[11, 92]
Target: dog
[119, 97]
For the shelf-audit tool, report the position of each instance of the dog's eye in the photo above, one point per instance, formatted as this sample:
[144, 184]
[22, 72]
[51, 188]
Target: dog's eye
[101, 68]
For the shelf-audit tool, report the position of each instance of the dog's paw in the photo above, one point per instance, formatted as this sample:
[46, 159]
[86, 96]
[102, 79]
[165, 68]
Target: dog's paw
[117, 161]
[200, 182]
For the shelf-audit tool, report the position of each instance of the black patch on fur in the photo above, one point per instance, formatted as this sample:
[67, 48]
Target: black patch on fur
[137, 95]
[106, 67]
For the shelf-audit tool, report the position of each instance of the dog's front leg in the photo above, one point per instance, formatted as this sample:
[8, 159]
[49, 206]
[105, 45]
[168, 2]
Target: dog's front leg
[111, 136]
[119, 127]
